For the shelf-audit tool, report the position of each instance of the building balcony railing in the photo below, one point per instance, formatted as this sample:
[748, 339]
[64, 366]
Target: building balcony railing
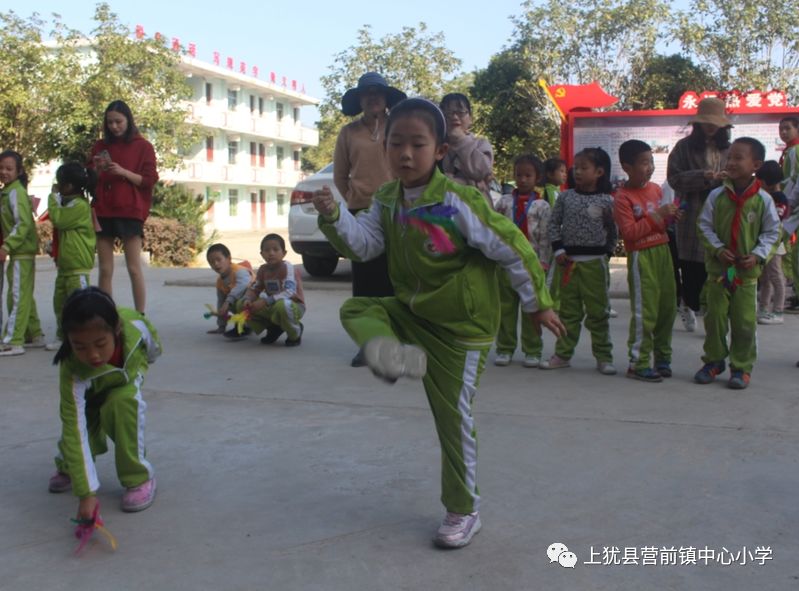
[253, 125]
[212, 173]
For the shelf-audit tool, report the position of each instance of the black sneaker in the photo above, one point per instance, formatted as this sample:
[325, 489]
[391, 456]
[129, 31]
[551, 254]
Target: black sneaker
[234, 334]
[359, 361]
[273, 333]
[298, 340]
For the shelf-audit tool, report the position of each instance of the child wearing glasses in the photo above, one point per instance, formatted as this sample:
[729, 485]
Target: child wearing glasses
[469, 159]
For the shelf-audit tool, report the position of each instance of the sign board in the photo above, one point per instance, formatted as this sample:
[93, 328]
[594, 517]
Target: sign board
[661, 130]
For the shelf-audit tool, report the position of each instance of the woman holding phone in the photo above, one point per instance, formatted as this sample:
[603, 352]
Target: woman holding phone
[126, 167]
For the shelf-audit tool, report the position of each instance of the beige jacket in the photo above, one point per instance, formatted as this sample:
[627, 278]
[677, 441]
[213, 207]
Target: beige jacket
[360, 165]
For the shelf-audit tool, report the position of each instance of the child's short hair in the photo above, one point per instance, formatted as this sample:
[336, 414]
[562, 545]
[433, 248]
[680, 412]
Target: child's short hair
[423, 108]
[530, 159]
[218, 247]
[553, 164]
[81, 307]
[792, 120]
[631, 149]
[455, 97]
[277, 238]
[599, 158]
[757, 148]
[22, 176]
[82, 179]
[770, 172]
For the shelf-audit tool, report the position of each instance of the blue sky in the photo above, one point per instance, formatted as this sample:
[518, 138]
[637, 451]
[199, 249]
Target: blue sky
[296, 39]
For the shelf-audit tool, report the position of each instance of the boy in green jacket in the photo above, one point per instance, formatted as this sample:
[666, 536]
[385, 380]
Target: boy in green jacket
[739, 228]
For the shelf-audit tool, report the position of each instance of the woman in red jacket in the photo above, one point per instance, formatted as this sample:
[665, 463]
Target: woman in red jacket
[125, 163]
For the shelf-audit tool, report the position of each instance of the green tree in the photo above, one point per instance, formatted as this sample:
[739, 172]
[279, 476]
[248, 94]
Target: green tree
[53, 95]
[664, 79]
[747, 44]
[413, 60]
[514, 112]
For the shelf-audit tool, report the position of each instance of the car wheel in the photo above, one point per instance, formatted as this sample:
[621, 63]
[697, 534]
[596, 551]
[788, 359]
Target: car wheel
[319, 266]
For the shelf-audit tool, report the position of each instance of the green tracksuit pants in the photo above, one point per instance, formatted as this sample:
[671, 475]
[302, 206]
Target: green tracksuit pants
[453, 374]
[22, 323]
[283, 313]
[736, 313]
[532, 344]
[650, 279]
[118, 414]
[65, 284]
[584, 295]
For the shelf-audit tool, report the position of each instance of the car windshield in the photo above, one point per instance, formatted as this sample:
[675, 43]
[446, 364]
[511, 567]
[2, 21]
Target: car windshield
[328, 168]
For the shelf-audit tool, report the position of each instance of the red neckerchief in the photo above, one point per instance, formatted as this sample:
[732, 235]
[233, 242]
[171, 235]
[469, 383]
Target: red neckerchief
[788, 145]
[521, 205]
[116, 359]
[739, 201]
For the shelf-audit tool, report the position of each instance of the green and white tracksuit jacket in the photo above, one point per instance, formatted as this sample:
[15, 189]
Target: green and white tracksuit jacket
[72, 221]
[446, 302]
[21, 242]
[746, 224]
[107, 401]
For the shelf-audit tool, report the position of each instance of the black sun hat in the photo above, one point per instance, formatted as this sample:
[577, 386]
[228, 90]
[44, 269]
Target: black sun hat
[351, 101]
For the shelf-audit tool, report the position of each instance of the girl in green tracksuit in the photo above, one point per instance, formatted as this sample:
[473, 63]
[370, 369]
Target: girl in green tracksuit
[74, 239]
[103, 360]
[445, 247]
[20, 244]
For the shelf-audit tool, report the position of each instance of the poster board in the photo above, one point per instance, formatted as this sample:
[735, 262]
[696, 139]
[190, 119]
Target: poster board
[661, 130]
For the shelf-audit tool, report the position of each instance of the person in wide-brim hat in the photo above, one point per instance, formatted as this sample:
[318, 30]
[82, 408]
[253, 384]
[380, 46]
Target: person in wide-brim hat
[351, 101]
[712, 111]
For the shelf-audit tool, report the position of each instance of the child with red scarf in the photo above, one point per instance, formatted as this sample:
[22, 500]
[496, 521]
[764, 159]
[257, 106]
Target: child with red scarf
[739, 228]
[530, 212]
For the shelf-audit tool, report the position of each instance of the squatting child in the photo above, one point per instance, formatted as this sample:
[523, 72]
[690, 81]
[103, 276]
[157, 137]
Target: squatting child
[739, 228]
[642, 223]
[275, 301]
[530, 212]
[443, 243]
[231, 285]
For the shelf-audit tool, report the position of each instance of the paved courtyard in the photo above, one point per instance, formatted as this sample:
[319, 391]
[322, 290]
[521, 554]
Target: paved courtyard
[285, 469]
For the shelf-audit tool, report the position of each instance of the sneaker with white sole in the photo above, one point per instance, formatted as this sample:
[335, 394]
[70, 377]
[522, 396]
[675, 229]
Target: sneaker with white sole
[11, 350]
[38, 342]
[554, 362]
[612, 313]
[59, 482]
[389, 359]
[688, 318]
[606, 368]
[138, 498]
[531, 361]
[457, 530]
[502, 359]
[54, 346]
[771, 318]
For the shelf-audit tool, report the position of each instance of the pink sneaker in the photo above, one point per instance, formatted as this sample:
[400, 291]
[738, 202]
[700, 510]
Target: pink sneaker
[138, 498]
[457, 529]
[59, 482]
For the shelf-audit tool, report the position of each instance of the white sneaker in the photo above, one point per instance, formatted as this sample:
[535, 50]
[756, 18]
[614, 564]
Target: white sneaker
[11, 350]
[389, 359]
[606, 368]
[531, 361]
[54, 346]
[502, 359]
[36, 343]
[772, 318]
[688, 318]
[613, 314]
[457, 530]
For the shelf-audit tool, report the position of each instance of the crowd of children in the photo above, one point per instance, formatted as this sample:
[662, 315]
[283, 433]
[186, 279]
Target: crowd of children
[461, 267]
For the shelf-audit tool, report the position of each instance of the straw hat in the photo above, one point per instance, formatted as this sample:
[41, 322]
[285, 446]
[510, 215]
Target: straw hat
[351, 101]
[713, 111]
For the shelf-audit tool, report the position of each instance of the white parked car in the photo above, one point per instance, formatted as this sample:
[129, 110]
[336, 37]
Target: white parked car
[318, 256]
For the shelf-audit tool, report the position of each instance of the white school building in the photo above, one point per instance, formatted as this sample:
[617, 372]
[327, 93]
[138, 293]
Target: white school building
[248, 161]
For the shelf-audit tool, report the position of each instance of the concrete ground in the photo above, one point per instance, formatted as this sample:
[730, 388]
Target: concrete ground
[285, 469]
